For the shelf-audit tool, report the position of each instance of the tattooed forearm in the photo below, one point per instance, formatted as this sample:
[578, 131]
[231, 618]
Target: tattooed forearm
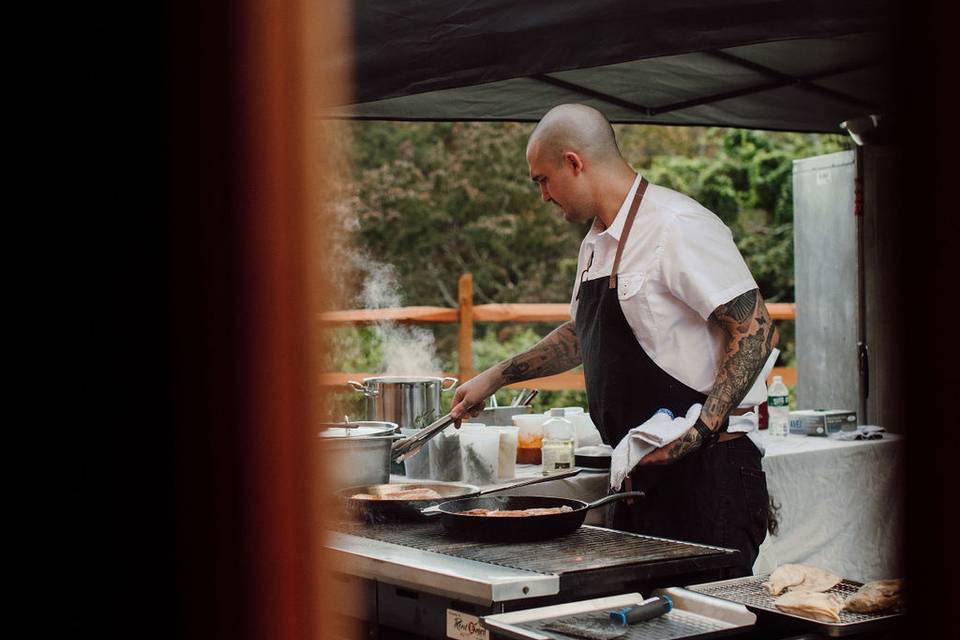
[556, 353]
[752, 336]
[684, 445]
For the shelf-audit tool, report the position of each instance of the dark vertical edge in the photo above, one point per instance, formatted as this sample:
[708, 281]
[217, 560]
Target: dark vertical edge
[928, 135]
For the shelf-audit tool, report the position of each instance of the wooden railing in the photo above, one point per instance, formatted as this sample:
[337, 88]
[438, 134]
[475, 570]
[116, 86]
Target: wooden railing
[467, 314]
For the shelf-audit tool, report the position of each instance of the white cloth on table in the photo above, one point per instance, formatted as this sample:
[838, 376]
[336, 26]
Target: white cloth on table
[661, 429]
[840, 503]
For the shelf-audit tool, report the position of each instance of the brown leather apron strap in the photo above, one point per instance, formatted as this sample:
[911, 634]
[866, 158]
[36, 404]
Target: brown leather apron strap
[634, 206]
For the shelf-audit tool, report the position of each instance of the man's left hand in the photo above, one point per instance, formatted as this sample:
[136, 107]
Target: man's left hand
[689, 441]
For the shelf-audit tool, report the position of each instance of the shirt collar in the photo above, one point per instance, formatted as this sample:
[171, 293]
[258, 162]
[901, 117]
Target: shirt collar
[615, 229]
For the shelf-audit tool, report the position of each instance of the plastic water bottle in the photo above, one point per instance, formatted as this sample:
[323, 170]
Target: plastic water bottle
[778, 408]
[557, 445]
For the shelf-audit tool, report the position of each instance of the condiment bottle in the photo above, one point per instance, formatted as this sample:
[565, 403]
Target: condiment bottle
[557, 446]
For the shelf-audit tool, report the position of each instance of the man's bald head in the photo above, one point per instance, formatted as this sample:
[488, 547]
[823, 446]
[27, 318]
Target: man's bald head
[577, 128]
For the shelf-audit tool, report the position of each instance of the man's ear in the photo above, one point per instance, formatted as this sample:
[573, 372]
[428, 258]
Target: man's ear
[574, 161]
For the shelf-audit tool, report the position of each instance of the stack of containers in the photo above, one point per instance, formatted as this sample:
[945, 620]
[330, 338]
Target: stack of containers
[507, 465]
[529, 437]
[479, 453]
[417, 467]
[445, 459]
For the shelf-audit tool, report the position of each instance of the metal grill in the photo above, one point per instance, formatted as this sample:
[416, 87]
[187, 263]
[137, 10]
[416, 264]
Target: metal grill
[675, 624]
[750, 592]
[588, 548]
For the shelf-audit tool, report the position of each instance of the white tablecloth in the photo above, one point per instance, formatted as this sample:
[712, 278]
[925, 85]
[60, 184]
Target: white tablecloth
[840, 507]
[838, 503]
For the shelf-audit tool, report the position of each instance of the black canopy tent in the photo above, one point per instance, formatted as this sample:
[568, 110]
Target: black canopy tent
[800, 65]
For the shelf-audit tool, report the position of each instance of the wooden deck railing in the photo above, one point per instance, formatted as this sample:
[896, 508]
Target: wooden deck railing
[467, 314]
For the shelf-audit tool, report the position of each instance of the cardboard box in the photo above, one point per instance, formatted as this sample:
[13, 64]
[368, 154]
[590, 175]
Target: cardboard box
[822, 422]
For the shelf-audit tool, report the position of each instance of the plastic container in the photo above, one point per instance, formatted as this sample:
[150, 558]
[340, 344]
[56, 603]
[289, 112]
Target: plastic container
[587, 434]
[480, 454]
[417, 467]
[507, 462]
[558, 443]
[529, 437]
[445, 463]
[778, 408]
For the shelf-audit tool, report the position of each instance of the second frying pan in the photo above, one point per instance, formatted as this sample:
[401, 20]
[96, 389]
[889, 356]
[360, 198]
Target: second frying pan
[518, 529]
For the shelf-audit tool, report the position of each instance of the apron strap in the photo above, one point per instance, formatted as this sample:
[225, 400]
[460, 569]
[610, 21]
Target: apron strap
[637, 198]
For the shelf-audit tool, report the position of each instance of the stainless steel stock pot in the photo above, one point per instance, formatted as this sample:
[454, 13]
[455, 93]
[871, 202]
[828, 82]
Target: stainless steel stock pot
[410, 401]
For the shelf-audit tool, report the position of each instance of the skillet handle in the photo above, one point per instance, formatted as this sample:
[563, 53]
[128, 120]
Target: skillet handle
[614, 497]
[535, 480]
[431, 511]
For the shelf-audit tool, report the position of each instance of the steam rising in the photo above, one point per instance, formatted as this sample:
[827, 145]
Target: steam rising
[407, 350]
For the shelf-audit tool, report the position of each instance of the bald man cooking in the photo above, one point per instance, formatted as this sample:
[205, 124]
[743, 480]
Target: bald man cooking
[665, 315]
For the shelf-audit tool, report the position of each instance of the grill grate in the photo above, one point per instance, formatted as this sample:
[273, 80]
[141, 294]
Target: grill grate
[750, 592]
[675, 624]
[587, 548]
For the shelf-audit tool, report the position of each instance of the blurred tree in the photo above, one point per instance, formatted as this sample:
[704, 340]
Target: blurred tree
[438, 199]
[451, 198]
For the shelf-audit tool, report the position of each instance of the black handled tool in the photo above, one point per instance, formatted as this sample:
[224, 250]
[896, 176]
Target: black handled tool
[646, 610]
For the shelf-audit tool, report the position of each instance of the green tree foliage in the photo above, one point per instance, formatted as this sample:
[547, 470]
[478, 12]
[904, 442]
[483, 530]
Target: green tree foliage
[439, 199]
[451, 198]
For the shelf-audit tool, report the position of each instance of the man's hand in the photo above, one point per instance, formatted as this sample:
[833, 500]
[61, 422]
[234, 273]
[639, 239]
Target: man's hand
[473, 393]
[556, 353]
[689, 441]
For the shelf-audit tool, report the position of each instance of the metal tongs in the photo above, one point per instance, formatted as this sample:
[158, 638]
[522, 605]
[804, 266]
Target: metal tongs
[408, 447]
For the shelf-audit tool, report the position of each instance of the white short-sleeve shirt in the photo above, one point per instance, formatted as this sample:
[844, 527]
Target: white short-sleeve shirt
[679, 264]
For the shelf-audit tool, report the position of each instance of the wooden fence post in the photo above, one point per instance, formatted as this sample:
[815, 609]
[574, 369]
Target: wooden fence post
[465, 337]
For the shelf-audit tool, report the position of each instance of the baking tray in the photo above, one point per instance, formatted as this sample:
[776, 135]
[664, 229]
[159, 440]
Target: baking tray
[748, 591]
[694, 615]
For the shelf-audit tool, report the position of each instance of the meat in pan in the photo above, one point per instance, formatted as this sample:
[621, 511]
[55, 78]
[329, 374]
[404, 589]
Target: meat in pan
[409, 494]
[516, 513]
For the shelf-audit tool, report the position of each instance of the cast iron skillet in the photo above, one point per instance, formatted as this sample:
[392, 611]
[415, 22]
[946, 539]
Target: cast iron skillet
[517, 529]
[380, 511]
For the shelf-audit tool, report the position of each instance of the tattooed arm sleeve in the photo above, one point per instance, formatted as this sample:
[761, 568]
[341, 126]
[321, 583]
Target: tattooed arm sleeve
[751, 336]
[557, 352]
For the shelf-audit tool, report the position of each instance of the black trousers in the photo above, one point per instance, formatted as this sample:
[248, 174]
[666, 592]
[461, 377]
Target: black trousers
[716, 496]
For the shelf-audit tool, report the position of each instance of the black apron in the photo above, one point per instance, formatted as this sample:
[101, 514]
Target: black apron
[714, 496]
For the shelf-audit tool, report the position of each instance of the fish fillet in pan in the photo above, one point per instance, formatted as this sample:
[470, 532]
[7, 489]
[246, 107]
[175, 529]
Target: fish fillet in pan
[799, 577]
[516, 513]
[407, 494]
[824, 607]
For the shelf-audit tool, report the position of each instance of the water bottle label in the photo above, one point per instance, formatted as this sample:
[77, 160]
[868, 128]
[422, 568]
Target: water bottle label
[778, 401]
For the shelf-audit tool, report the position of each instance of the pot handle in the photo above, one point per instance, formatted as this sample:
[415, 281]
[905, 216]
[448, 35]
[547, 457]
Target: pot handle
[362, 388]
[453, 383]
[614, 497]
